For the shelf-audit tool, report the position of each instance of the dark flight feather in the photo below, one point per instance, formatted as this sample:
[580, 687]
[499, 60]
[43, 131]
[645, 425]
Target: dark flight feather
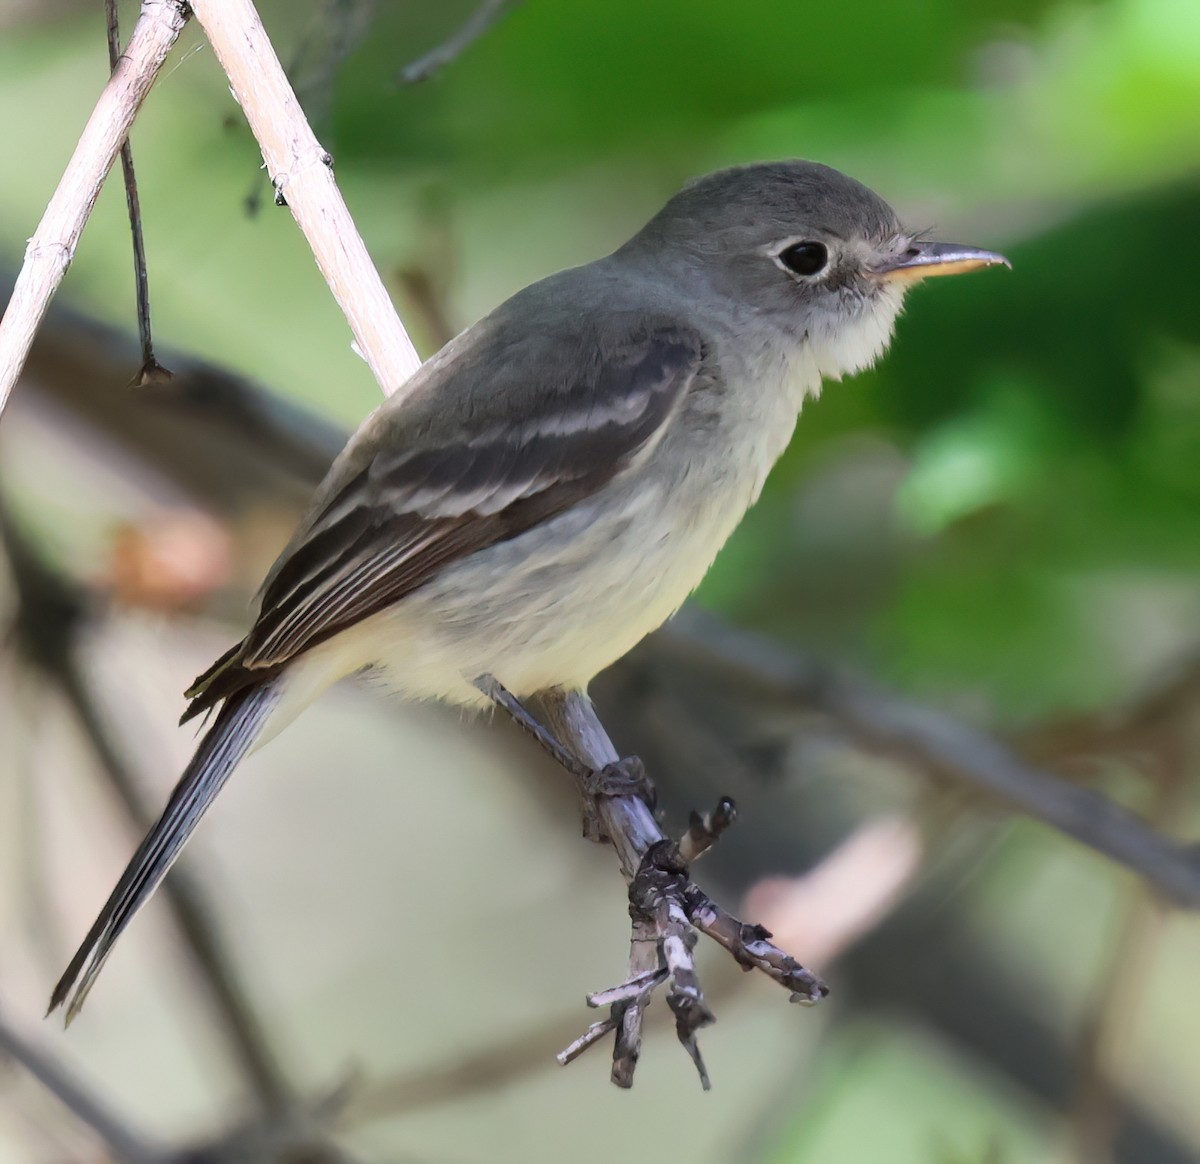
[224, 744]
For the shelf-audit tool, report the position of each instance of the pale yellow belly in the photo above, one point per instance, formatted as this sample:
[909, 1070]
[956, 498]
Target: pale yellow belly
[539, 611]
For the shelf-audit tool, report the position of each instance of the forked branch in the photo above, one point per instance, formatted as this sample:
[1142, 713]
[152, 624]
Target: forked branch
[53, 244]
[666, 907]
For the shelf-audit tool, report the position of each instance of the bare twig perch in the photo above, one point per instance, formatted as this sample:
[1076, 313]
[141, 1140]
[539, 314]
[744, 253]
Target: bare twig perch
[302, 174]
[666, 908]
[52, 247]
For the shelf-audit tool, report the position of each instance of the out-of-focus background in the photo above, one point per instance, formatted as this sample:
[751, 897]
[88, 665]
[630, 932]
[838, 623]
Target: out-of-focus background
[1000, 525]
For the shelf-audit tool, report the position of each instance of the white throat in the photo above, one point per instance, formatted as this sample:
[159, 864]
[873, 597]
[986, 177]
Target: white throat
[842, 343]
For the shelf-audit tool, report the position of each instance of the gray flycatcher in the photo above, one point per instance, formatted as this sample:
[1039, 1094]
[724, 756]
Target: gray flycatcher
[557, 479]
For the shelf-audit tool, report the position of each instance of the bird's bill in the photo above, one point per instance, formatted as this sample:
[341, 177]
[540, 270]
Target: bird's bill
[923, 260]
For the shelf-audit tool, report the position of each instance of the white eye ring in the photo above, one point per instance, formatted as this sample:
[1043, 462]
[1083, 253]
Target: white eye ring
[804, 259]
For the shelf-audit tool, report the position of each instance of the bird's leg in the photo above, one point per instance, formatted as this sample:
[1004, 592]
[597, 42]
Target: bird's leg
[525, 720]
[624, 777]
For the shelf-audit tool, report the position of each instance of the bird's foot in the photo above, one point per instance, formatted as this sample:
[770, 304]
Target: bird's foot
[624, 777]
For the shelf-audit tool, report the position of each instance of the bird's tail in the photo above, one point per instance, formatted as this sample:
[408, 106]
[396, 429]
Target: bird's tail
[235, 728]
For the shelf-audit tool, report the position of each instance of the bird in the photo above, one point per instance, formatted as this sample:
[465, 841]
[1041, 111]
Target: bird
[553, 484]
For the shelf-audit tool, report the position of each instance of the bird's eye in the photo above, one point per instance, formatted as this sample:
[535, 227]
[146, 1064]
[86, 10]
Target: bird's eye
[804, 258]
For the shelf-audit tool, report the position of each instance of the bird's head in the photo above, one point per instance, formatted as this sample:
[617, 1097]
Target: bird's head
[800, 247]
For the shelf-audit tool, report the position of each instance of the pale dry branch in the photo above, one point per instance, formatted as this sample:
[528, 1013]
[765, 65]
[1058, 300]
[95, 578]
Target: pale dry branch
[857, 885]
[53, 244]
[301, 171]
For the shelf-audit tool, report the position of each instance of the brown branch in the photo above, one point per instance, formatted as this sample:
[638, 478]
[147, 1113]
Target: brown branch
[222, 441]
[53, 244]
[51, 613]
[485, 17]
[1137, 726]
[937, 743]
[298, 1135]
[485, 1069]
[151, 371]
[295, 1134]
[302, 174]
[506, 1063]
[121, 1140]
[664, 905]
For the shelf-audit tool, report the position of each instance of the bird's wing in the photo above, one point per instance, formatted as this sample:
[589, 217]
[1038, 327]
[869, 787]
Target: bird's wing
[420, 502]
